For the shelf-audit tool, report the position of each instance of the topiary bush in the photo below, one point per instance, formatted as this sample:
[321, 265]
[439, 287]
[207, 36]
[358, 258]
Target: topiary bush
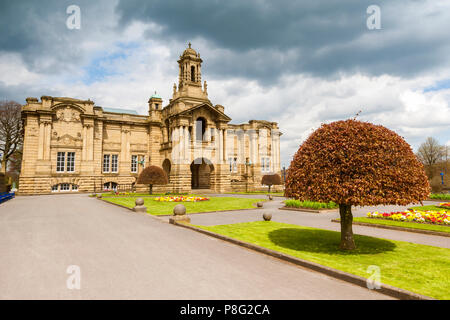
[153, 175]
[271, 179]
[352, 163]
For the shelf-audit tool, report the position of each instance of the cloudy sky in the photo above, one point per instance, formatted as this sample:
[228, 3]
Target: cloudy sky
[300, 63]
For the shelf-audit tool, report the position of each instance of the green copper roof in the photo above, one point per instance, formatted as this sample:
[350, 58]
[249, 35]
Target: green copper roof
[155, 95]
[117, 110]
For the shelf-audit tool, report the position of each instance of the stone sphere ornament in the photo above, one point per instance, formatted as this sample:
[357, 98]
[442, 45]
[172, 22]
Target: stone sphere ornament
[267, 216]
[179, 210]
[139, 201]
[259, 204]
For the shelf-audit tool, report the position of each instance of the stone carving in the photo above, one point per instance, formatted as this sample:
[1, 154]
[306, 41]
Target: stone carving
[68, 114]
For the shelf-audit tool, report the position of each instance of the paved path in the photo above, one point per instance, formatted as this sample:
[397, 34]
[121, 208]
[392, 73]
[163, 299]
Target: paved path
[124, 255]
[319, 220]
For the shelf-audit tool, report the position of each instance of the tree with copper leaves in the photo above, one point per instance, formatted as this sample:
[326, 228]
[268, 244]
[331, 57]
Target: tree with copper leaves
[152, 175]
[270, 180]
[355, 163]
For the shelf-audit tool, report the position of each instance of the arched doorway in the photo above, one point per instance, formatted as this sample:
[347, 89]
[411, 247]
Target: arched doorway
[202, 171]
[166, 165]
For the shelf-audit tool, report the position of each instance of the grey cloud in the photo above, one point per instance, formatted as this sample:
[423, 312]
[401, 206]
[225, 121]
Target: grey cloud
[271, 38]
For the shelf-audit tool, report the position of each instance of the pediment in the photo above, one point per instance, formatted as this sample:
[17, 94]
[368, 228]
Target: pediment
[219, 114]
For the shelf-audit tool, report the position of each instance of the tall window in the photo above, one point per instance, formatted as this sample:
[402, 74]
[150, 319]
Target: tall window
[70, 161]
[65, 164]
[106, 162]
[60, 161]
[200, 127]
[265, 164]
[233, 164]
[134, 163]
[114, 162]
[192, 73]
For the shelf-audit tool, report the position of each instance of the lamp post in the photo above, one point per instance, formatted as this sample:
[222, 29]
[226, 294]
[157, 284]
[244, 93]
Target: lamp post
[248, 164]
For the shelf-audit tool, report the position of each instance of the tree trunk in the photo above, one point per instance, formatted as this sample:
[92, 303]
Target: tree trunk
[347, 242]
[269, 187]
[3, 165]
[151, 189]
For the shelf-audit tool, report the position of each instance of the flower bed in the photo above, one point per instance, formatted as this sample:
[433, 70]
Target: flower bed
[433, 217]
[445, 205]
[180, 199]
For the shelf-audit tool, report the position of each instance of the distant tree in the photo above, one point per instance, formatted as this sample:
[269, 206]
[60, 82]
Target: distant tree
[11, 137]
[429, 153]
[152, 175]
[354, 163]
[270, 180]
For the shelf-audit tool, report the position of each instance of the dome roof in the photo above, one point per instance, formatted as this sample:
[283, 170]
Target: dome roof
[155, 95]
[189, 51]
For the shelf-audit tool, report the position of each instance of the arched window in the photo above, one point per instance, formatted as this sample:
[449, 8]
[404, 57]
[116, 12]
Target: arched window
[192, 73]
[110, 186]
[200, 128]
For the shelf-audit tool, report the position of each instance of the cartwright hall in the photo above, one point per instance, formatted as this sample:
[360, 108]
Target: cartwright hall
[73, 145]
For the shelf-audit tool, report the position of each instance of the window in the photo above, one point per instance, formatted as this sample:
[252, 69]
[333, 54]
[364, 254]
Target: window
[106, 163]
[192, 73]
[64, 187]
[233, 164]
[133, 163]
[70, 162]
[200, 127]
[114, 161]
[110, 186]
[265, 164]
[212, 134]
[60, 159]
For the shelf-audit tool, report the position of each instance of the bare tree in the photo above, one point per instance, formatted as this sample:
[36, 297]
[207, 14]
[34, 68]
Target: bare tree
[430, 152]
[11, 137]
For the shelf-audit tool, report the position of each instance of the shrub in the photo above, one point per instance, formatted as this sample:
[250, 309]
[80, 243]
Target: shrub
[271, 179]
[310, 204]
[152, 175]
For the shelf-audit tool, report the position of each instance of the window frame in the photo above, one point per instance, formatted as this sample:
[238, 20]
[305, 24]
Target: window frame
[70, 162]
[134, 163]
[114, 163]
[60, 161]
[106, 164]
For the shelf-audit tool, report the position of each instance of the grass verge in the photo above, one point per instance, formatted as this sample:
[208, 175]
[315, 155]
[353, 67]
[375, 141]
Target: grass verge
[414, 267]
[165, 208]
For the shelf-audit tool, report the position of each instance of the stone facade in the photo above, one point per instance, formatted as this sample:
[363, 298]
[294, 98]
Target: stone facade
[72, 145]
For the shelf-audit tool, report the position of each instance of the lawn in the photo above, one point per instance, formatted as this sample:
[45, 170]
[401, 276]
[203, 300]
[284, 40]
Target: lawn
[405, 224]
[428, 208]
[418, 268]
[259, 192]
[165, 208]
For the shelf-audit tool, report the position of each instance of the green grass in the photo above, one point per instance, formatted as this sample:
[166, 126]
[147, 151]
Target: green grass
[112, 195]
[259, 192]
[429, 208]
[414, 267]
[310, 204]
[405, 224]
[214, 204]
[440, 196]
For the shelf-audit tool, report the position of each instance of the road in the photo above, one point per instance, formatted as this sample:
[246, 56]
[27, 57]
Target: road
[124, 255]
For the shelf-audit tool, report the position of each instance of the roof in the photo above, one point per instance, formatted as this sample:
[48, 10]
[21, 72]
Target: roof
[117, 110]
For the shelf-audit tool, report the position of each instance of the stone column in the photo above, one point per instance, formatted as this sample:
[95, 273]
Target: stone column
[48, 131]
[41, 140]
[187, 145]
[225, 153]
[220, 138]
[84, 151]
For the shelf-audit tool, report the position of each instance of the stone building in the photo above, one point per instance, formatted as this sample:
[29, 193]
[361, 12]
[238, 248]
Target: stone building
[72, 145]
